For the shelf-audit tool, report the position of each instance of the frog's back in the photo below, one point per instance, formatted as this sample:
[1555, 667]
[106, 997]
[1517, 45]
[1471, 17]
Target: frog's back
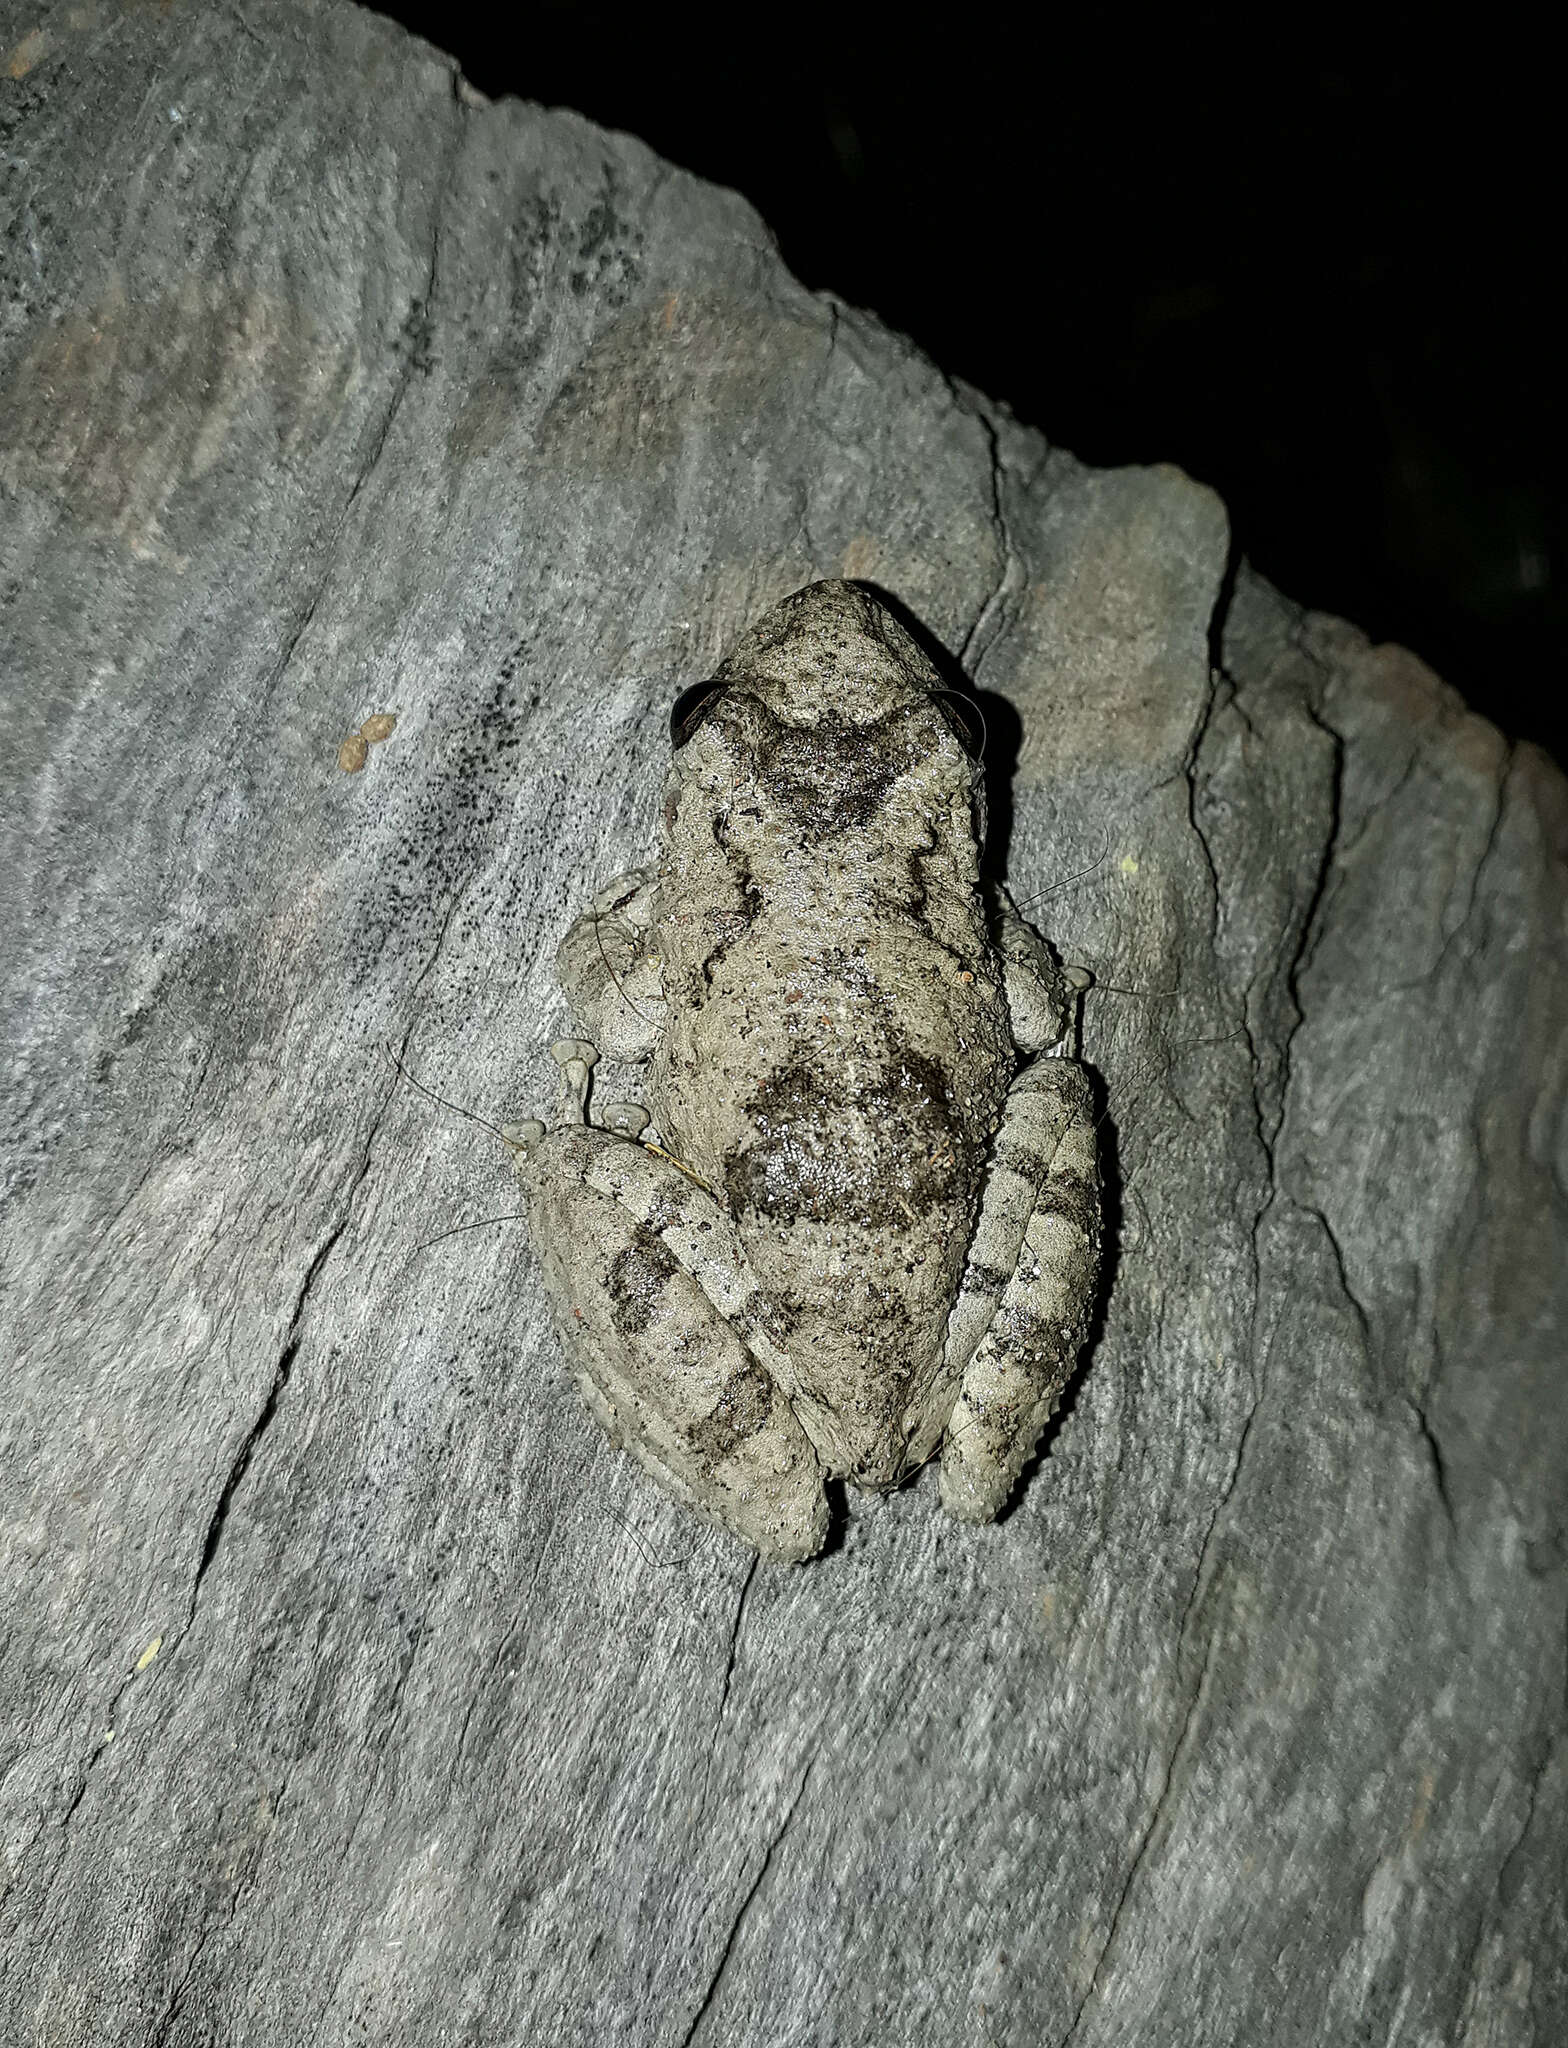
[837, 1049]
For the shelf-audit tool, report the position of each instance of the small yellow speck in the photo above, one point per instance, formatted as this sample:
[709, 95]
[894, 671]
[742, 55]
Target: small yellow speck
[1129, 865]
[149, 1653]
[353, 754]
[379, 726]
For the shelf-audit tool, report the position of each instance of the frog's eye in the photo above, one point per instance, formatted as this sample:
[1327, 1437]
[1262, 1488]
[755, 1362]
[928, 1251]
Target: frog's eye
[963, 714]
[690, 708]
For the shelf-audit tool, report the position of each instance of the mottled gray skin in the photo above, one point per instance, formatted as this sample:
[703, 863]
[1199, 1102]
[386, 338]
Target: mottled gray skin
[837, 1046]
[834, 1015]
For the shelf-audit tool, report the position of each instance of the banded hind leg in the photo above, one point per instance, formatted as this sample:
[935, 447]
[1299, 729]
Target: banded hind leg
[666, 1329]
[1028, 1291]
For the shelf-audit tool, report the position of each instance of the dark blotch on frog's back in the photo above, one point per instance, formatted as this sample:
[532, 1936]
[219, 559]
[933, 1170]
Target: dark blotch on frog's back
[834, 776]
[881, 1153]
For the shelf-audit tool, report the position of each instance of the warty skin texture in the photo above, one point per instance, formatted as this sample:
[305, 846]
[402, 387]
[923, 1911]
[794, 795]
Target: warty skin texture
[837, 1048]
[862, 1226]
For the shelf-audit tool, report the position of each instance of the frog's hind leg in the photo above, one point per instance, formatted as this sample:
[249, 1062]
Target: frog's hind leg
[608, 964]
[1028, 1291]
[660, 1317]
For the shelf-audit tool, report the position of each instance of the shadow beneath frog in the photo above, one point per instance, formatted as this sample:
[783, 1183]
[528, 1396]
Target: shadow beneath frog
[1004, 730]
[839, 1518]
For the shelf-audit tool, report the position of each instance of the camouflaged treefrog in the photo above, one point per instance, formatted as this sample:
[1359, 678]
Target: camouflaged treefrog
[860, 1230]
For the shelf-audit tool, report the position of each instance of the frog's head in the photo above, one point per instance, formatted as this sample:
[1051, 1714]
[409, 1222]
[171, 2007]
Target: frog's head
[831, 650]
[833, 699]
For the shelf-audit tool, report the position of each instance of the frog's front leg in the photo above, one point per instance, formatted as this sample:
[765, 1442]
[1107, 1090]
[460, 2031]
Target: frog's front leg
[664, 1327]
[609, 966]
[1041, 995]
[1028, 1290]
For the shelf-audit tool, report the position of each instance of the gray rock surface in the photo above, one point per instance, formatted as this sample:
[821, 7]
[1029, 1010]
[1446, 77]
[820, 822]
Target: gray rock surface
[351, 1687]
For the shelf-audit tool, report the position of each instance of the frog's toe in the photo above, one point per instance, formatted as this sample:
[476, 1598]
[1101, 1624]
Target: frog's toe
[988, 1444]
[625, 1119]
[575, 1057]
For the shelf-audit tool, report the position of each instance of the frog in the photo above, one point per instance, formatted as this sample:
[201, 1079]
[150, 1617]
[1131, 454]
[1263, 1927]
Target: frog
[856, 1223]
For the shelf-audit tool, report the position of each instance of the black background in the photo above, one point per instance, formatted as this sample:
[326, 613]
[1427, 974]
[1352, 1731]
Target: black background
[1309, 257]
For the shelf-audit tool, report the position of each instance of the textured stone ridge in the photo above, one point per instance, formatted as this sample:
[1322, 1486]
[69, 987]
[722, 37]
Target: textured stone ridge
[351, 1686]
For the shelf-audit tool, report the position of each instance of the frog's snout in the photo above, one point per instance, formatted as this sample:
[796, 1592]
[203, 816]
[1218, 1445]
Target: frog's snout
[877, 1472]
